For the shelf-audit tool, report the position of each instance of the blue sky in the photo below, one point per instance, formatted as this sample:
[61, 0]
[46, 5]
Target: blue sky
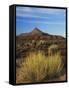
[48, 20]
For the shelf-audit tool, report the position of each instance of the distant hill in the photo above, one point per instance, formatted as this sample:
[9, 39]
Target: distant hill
[37, 34]
[38, 40]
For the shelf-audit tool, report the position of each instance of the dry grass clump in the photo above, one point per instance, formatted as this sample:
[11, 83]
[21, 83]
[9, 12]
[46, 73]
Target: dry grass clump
[37, 67]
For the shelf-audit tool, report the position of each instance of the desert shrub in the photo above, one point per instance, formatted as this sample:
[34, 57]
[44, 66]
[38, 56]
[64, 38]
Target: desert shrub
[37, 67]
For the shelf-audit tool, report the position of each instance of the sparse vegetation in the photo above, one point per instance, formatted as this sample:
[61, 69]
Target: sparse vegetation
[38, 57]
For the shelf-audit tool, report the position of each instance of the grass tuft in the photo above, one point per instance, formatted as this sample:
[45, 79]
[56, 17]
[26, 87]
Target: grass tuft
[37, 67]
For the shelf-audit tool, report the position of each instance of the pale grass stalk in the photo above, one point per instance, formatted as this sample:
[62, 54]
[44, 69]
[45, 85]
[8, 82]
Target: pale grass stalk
[37, 67]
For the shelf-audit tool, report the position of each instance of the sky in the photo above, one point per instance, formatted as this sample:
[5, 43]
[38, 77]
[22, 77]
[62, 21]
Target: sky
[48, 20]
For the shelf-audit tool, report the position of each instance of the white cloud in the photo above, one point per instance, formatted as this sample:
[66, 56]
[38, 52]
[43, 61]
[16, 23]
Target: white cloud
[40, 10]
[33, 13]
[41, 13]
[22, 9]
[32, 16]
[52, 11]
[44, 22]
